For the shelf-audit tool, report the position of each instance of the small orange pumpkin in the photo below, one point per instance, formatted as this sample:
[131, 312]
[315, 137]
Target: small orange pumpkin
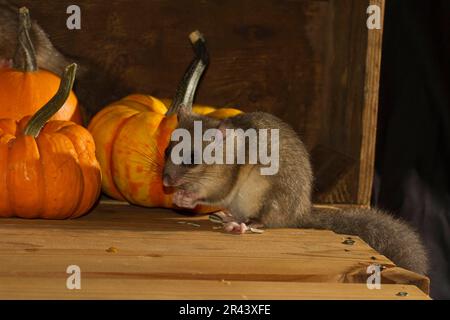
[47, 169]
[132, 134]
[24, 89]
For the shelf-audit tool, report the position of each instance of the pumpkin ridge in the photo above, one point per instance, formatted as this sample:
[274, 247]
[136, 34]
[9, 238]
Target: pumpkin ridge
[111, 162]
[86, 159]
[136, 189]
[43, 185]
[163, 137]
[72, 159]
[79, 203]
[21, 144]
[4, 179]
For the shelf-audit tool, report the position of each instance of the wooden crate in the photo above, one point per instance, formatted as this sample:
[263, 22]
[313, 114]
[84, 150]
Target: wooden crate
[312, 63]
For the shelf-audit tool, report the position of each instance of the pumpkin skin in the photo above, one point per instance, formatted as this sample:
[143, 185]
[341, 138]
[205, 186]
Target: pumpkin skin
[131, 136]
[24, 89]
[22, 93]
[49, 171]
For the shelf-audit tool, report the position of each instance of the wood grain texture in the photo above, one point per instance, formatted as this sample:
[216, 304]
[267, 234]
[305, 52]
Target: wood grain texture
[312, 63]
[153, 244]
[370, 113]
[160, 289]
[353, 63]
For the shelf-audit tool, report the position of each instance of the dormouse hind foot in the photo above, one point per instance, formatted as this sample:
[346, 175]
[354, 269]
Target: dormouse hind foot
[235, 227]
[241, 228]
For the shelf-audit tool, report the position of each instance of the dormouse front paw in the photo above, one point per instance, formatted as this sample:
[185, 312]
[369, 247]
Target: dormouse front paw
[184, 199]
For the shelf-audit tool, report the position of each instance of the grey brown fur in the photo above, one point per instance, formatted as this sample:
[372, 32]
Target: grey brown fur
[284, 199]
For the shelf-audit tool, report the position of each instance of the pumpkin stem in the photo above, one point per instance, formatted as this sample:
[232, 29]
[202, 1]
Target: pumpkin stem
[25, 55]
[184, 96]
[38, 121]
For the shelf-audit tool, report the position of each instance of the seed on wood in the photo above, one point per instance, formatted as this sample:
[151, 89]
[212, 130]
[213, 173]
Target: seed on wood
[349, 242]
[402, 294]
[254, 230]
[373, 258]
[215, 219]
[193, 224]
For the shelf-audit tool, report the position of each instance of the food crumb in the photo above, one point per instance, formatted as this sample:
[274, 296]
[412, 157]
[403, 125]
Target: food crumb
[112, 250]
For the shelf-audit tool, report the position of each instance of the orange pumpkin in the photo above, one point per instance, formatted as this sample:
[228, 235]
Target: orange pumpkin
[132, 134]
[24, 89]
[47, 169]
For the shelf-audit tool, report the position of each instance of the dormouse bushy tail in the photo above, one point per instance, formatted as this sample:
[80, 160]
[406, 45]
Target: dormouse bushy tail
[389, 236]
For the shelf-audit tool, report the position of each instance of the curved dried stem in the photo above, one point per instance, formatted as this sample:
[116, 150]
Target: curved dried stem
[184, 96]
[38, 121]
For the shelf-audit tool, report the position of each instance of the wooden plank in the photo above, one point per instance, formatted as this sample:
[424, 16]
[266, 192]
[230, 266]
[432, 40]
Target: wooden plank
[353, 69]
[370, 111]
[98, 288]
[159, 244]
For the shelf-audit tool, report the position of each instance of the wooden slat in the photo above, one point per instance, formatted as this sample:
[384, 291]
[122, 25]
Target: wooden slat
[370, 111]
[152, 244]
[97, 288]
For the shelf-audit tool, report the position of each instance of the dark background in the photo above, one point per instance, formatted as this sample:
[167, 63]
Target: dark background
[412, 177]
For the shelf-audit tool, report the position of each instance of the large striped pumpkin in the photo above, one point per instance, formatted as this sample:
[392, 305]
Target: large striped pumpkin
[132, 134]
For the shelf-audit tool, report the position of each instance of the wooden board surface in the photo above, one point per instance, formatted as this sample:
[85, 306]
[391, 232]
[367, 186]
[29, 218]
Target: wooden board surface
[151, 246]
